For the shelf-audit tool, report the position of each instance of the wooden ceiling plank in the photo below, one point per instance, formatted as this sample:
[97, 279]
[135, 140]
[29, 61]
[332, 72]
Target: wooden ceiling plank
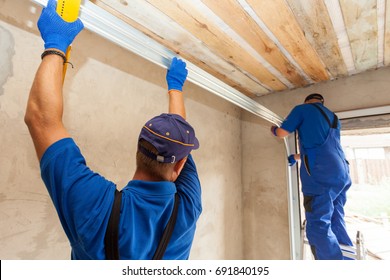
[232, 13]
[387, 34]
[290, 35]
[148, 20]
[186, 14]
[317, 26]
[360, 19]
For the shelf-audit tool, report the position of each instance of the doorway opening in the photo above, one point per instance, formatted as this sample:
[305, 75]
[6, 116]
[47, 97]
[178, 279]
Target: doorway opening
[368, 201]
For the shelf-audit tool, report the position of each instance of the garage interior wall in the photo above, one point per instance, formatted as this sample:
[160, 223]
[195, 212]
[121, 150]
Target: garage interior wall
[109, 95]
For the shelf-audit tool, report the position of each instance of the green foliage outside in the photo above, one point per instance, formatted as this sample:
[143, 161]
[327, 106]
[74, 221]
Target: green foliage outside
[372, 201]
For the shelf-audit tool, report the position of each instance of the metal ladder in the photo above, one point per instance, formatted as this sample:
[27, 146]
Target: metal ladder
[356, 252]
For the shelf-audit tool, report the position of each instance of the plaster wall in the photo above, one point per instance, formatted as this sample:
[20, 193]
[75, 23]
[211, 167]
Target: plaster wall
[108, 96]
[264, 172]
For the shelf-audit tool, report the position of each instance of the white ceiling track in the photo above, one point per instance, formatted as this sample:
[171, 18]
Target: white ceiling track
[115, 30]
[375, 111]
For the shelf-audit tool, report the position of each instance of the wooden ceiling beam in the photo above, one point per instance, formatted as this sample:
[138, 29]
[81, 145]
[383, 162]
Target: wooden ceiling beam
[185, 13]
[387, 34]
[232, 13]
[287, 30]
[317, 26]
[145, 18]
[360, 19]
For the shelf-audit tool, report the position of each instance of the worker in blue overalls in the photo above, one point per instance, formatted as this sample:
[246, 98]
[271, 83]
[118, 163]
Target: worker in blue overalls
[324, 175]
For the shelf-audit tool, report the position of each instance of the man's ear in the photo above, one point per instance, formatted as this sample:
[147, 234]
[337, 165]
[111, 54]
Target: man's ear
[178, 168]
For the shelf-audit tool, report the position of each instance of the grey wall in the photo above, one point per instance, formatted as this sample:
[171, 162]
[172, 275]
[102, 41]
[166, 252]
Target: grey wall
[109, 95]
[264, 157]
[266, 234]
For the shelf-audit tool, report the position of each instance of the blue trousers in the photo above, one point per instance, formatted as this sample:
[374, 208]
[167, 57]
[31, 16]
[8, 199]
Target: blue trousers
[325, 228]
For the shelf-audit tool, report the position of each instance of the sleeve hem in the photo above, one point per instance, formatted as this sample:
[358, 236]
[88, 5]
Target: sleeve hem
[54, 149]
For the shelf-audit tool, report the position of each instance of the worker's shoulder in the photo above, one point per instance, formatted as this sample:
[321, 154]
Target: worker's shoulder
[301, 108]
[309, 107]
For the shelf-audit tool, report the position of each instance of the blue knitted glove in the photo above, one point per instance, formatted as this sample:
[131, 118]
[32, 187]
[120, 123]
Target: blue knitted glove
[177, 74]
[273, 130]
[291, 160]
[55, 32]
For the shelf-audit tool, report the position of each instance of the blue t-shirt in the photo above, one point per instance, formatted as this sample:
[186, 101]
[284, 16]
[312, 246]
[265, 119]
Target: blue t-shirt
[312, 126]
[83, 200]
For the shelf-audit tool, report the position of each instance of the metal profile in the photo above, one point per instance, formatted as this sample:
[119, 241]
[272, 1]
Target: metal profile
[382, 110]
[293, 199]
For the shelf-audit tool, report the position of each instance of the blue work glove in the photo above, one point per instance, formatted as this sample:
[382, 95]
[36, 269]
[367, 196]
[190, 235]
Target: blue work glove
[273, 130]
[176, 74]
[291, 160]
[55, 32]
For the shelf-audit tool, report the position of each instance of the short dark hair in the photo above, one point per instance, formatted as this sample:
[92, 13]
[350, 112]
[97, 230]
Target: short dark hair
[154, 168]
[315, 96]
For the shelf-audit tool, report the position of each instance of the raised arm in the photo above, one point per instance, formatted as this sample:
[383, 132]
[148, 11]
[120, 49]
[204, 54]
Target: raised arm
[176, 76]
[45, 105]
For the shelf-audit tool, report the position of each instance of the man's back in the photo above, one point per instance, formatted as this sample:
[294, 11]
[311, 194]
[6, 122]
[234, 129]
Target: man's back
[146, 209]
[84, 204]
[312, 126]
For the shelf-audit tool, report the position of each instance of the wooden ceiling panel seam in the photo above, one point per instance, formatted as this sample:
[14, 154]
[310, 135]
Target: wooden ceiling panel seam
[180, 43]
[291, 36]
[381, 11]
[387, 34]
[360, 21]
[337, 19]
[233, 14]
[236, 37]
[248, 9]
[314, 20]
[186, 14]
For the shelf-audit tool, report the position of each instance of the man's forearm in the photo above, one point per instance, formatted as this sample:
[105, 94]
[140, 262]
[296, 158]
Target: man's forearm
[176, 103]
[279, 132]
[45, 104]
[47, 88]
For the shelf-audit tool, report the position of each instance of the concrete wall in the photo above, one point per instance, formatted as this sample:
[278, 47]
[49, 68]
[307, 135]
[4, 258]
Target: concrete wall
[109, 95]
[266, 234]
[264, 157]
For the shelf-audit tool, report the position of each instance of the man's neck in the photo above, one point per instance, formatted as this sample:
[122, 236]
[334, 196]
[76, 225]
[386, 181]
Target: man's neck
[313, 101]
[145, 176]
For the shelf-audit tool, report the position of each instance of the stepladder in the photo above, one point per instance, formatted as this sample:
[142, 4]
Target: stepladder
[355, 252]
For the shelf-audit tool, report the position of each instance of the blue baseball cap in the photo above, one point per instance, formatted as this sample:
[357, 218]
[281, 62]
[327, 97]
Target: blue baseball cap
[315, 96]
[172, 136]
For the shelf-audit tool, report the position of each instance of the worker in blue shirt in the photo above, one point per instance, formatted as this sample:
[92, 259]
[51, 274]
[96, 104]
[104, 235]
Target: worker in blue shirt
[324, 174]
[84, 199]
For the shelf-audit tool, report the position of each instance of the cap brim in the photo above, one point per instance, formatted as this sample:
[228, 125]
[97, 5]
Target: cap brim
[196, 144]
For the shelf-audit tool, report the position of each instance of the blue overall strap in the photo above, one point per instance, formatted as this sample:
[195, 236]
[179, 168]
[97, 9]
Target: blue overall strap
[331, 125]
[335, 118]
[112, 232]
[162, 246]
